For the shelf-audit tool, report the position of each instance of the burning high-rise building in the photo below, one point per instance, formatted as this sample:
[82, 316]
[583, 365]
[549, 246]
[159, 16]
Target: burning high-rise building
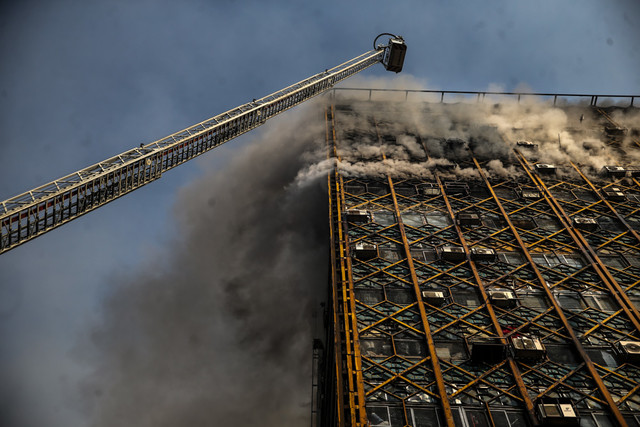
[485, 262]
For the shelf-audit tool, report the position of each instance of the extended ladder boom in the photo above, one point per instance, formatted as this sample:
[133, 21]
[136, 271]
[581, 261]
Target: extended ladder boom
[42, 209]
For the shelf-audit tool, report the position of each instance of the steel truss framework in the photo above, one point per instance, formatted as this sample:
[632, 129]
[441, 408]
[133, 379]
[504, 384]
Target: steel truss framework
[403, 360]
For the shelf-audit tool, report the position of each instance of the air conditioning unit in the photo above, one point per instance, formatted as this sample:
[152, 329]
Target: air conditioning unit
[630, 351]
[469, 219]
[545, 168]
[617, 171]
[614, 194]
[365, 251]
[434, 298]
[483, 254]
[503, 298]
[431, 191]
[530, 194]
[526, 144]
[557, 414]
[525, 348]
[582, 223]
[615, 130]
[358, 216]
[453, 253]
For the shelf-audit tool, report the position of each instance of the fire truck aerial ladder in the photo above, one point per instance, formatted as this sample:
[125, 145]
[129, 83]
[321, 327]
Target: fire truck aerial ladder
[42, 209]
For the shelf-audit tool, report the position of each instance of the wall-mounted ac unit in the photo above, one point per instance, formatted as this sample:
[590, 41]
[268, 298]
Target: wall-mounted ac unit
[531, 194]
[483, 254]
[545, 168]
[431, 191]
[582, 223]
[503, 298]
[614, 194]
[527, 144]
[453, 253]
[358, 216]
[469, 219]
[434, 298]
[630, 351]
[557, 414]
[365, 251]
[525, 348]
[616, 171]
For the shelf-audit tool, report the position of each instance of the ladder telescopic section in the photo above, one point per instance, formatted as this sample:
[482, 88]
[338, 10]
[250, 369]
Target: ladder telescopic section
[42, 209]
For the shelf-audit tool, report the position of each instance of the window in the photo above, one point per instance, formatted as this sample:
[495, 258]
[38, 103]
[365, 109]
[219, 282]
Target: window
[523, 223]
[451, 350]
[438, 219]
[369, 296]
[570, 301]
[378, 190]
[410, 347]
[354, 189]
[384, 218]
[467, 298]
[389, 254]
[513, 258]
[545, 260]
[384, 416]
[602, 356]
[376, 346]
[535, 301]
[401, 296]
[601, 302]
[508, 419]
[572, 260]
[424, 417]
[548, 224]
[562, 354]
[413, 219]
[614, 261]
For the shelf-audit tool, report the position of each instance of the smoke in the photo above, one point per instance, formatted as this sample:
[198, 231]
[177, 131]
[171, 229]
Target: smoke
[420, 138]
[219, 331]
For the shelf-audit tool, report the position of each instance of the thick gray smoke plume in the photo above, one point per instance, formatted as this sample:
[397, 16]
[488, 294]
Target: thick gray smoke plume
[218, 331]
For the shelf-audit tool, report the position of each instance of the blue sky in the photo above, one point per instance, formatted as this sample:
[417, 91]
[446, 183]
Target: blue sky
[82, 81]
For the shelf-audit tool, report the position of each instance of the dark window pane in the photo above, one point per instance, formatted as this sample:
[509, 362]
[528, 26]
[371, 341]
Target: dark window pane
[369, 296]
[538, 302]
[425, 418]
[562, 354]
[376, 347]
[384, 218]
[401, 296]
[437, 219]
[397, 417]
[570, 302]
[476, 419]
[613, 261]
[378, 416]
[410, 348]
[413, 219]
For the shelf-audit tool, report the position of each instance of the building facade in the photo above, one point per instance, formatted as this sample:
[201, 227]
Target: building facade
[485, 264]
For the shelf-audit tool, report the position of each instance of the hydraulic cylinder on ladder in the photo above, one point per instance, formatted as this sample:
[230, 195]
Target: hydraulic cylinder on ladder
[42, 209]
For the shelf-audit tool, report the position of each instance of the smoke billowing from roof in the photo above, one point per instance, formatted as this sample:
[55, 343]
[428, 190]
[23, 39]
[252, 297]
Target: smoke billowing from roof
[219, 331]
[419, 138]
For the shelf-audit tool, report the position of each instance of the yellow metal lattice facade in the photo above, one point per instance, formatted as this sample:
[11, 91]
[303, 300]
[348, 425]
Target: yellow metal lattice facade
[476, 298]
